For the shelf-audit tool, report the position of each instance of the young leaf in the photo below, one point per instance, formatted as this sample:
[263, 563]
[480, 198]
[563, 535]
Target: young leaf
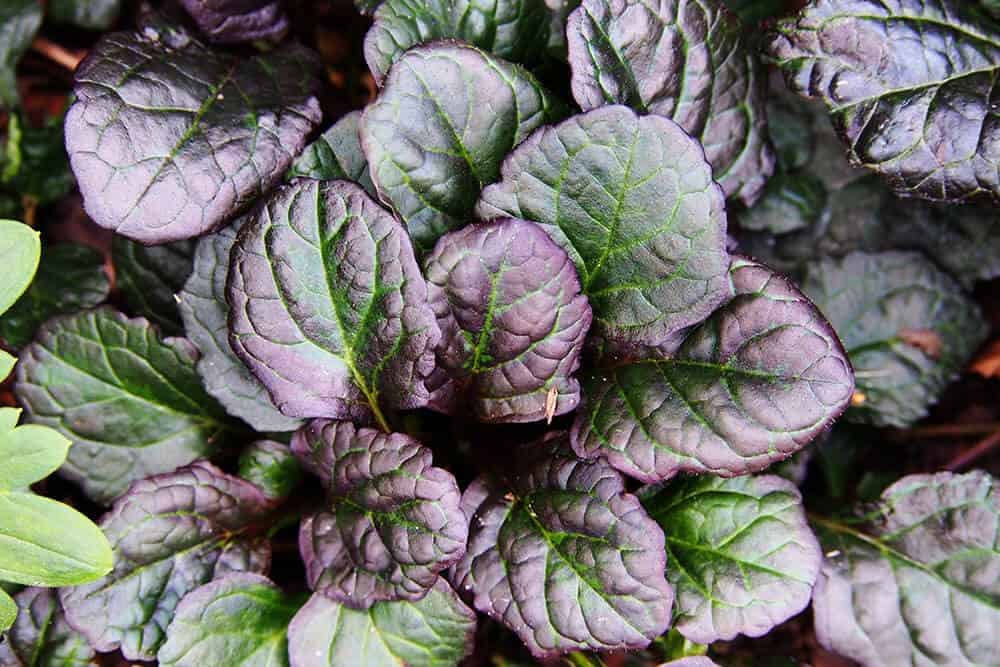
[336, 154]
[130, 402]
[564, 557]
[516, 30]
[395, 521]
[229, 21]
[328, 307]
[87, 14]
[170, 533]
[790, 202]
[30, 453]
[20, 250]
[750, 386]
[19, 21]
[739, 553]
[512, 319]
[435, 631]
[271, 467]
[926, 123]
[917, 584]
[683, 59]
[632, 201]
[151, 276]
[218, 130]
[474, 108]
[203, 308]
[71, 278]
[42, 637]
[240, 620]
[873, 301]
[8, 612]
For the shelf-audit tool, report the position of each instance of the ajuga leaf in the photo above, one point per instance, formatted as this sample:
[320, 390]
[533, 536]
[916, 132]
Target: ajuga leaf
[336, 154]
[151, 276]
[87, 14]
[512, 319]
[271, 467]
[41, 636]
[228, 21]
[170, 533]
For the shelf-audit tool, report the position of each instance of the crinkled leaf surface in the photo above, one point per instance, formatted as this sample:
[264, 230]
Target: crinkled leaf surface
[739, 553]
[240, 620]
[435, 631]
[683, 59]
[87, 14]
[564, 557]
[516, 30]
[749, 387]
[512, 320]
[20, 250]
[204, 311]
[130, 401]
[71, 278]
[151, 276]
[872, 301]
[230, 21]
[272, 467]
[170, 533]
[790, 202]
[329, 309]
[168, 139]
[473, 108]
[394, 523]
[19, 21]
[632, 201]
[909, 85]
[917, 585]
[336, 154]
[41, 637]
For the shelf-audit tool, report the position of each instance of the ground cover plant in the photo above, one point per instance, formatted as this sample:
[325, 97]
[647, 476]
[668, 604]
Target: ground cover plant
[440, 332]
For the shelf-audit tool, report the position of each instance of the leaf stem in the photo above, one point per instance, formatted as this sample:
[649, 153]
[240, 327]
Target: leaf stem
[57, 54]
[965, 458]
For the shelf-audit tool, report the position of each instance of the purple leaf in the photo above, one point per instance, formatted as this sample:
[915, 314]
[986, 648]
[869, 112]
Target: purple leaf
[227, 21]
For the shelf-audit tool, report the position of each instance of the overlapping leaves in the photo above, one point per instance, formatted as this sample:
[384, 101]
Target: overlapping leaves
[238, 20]
[42, 637]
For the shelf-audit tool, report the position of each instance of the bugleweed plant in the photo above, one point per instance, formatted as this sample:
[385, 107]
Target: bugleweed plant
[531, 351]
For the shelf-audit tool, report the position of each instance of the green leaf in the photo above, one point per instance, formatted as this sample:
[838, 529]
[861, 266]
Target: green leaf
[909, 329]
[130, 401]
[151, 276]
[33, 161]
[20, 250]
[203, 308]
[790, 202]
[755, 11]
[687, 60]
[8, 612]
[240, 620]
[750, 386]
[70, 277]
[910, 88]
[42, 637]
[7, 363]
[87, 14]
[329, 309]
[19, 21]
[473, 109]
[336, 154]
[916, 584]
[632, 201]
[516, 30]
[435, 631]
[170, 534]
[271, 467]
[739, 553]
[30, 453]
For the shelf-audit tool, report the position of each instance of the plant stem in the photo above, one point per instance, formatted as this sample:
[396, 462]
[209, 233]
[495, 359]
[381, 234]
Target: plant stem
[965, 458]
[57, 54]
[936, 431]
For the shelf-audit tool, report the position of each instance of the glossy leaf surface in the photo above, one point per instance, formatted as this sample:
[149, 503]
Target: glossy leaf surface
[150, 278]
[271, 467]
[336, 154]
[230, 21]
[41, 637]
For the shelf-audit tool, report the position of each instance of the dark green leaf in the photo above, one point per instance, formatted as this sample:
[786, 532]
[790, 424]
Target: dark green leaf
[88, 14]
[739, 553]
[71, 277]
[752, 385]
[632, 201]
[41, 637]
[516, 30]
[240, 620]
[336, 154]
[215, 130]
[907, 326]
[170, 533]
[20, 250]
[228, 21]
[437, 132]
[564, 557]
[329, 309]
[33, 162]
[19, 21]
[435, 631]
[271, 467]
[910, 88]
[754, 11]
[790, 202]
[202, 305]
[512, 319]
[683, 59]
[151, 276]
[916, 584]
[130, 402]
